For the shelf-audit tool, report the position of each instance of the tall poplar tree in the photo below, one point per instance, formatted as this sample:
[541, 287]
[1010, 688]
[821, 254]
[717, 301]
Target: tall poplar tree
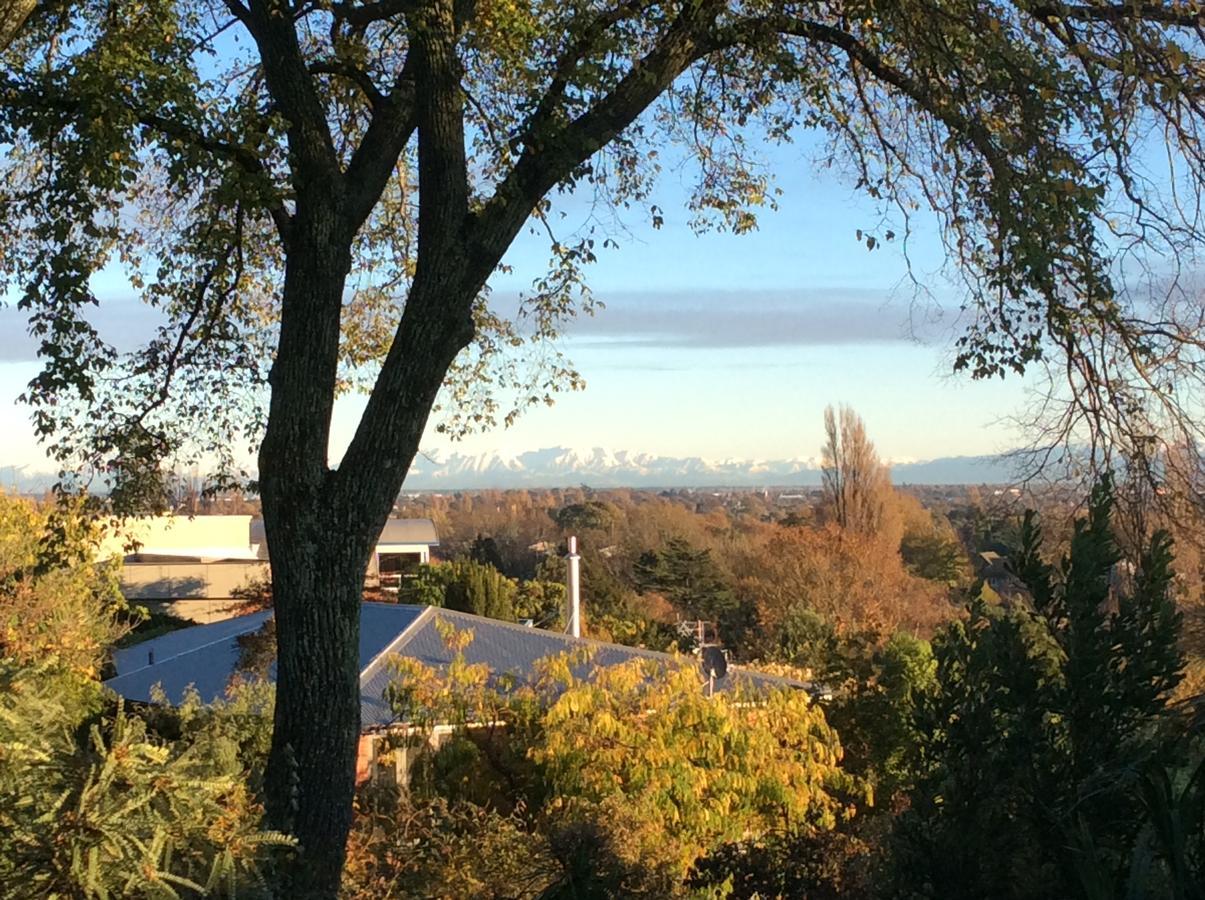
[314, 195]
[857, 485]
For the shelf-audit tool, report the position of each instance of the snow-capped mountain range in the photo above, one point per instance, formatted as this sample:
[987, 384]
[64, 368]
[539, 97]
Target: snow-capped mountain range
[600, 468]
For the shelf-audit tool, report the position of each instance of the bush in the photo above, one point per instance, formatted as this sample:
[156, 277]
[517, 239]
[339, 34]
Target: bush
[1040, 715]
[93, 804]
[56, 599]
[626, 777]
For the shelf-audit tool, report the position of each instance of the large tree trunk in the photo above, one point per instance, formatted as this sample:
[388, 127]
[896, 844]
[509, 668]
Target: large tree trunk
[317, 581]
[322, 525]
[317, 558]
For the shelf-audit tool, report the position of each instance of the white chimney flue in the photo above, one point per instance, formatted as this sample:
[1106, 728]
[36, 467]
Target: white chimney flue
[573, 582]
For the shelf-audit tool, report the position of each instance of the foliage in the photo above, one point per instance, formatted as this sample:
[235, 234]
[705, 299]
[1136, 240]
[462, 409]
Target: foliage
[96, 806]
[612, 610]
[696, 587]
[57, 598]
[1038, 713]
[675, 772]
[856, 483]
[591, 515]
[854, 581]
[935, 555]
[877, 689]
[402, 848]
[485, 551]
[476, 587]
[253, 596]
[480, 589]
[825, 865]
[249, 162]
[153, 625]
[427, 586]
[543, 602]
[628, 774]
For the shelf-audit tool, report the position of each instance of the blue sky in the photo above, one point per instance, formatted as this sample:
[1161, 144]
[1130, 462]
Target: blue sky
[715, 345]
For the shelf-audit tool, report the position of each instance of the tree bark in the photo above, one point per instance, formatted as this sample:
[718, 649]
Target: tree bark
[322, 525]
[13, 14]
[318, 558]
[317, 581]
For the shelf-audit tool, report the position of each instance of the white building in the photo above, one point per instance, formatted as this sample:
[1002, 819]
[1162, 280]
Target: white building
[404, 545]
[195, 567]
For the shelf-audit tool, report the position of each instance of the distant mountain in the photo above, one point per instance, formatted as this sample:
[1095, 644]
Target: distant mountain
[21, 480]
[602, 468]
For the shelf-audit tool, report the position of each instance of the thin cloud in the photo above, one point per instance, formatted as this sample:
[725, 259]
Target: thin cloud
[714, 320]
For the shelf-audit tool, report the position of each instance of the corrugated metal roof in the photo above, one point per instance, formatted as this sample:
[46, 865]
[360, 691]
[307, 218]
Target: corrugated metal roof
[409, 531]
[207, 656]
[207, 665]
[184, 640]
[509, 648]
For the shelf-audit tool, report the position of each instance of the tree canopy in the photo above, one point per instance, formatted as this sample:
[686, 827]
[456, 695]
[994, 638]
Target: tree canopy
[1042, 718]
[160, 134]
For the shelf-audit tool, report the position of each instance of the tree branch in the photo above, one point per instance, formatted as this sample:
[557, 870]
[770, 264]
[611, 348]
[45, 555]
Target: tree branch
[354, 74]
[361, 15]
[311, 146]
[390, 129]
[437, 321]
[1161, 13]
[571, 57]
[244, 158]
[562, 149]
[442, 164]
[13, 15]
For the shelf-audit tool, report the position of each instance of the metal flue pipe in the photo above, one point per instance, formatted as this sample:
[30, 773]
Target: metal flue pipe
[573, 582]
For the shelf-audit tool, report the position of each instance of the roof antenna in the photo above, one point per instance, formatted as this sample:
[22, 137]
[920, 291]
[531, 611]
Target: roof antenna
[573, 579]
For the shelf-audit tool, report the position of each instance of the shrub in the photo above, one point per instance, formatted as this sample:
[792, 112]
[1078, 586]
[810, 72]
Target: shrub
[93, 804]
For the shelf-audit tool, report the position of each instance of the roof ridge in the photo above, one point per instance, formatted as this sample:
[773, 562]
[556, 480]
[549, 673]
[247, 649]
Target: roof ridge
[403, 635]
[567, 638]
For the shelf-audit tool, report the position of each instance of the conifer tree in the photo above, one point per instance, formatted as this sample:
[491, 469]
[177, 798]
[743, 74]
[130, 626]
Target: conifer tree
[1039, 712]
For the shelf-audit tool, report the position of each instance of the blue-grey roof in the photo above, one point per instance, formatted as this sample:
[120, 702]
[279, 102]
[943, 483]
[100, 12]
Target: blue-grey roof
[203, 656]
[207, 656]
[184, 640]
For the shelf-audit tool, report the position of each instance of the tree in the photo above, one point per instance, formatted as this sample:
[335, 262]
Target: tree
[1039, 719]
[480, 589]
[485, 551]
[696, 586]
[856, 483]
[593, 515]
[935, 556]
[57, 600]
[624, 774]
[276, 149]
[852, 581]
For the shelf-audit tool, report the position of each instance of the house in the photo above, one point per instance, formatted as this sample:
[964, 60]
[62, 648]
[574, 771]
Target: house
[195, 567]
[189, 567]
[995, 570]
[404, 545]
[208, 657]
